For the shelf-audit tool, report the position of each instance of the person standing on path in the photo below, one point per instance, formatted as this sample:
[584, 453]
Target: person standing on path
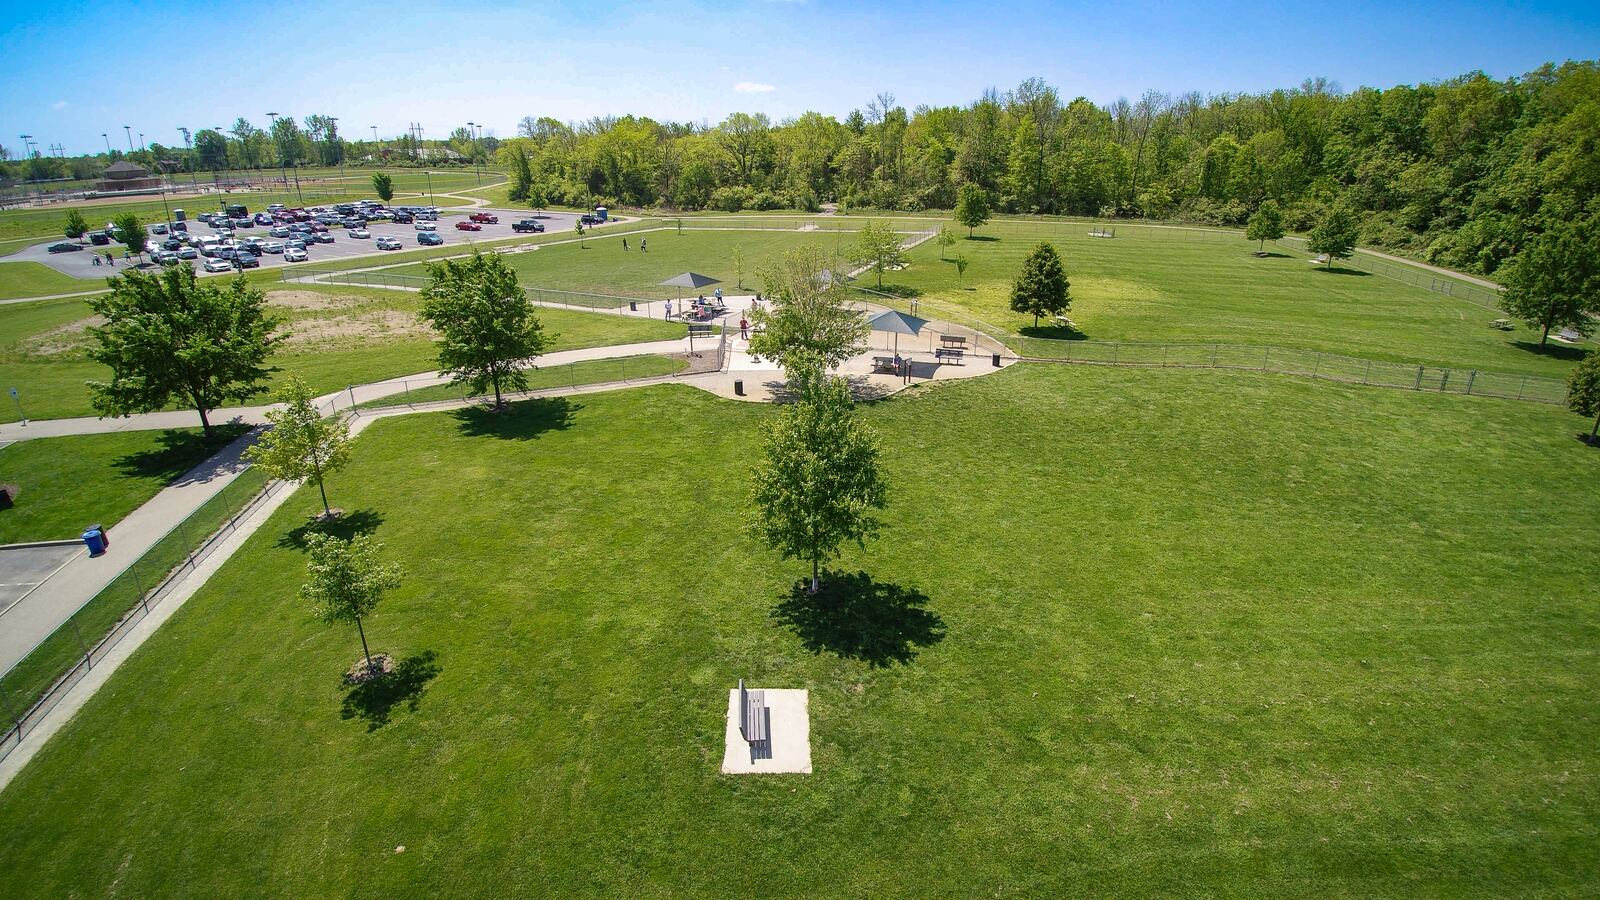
[744, 329]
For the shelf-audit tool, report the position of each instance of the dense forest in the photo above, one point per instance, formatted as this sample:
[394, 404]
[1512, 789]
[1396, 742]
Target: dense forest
[1462, 172]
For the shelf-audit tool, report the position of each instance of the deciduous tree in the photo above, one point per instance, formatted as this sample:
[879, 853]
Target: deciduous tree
[488, 331]
[171, 337]
[878, 248]
[302, 443]
[76, 227]
[383, 186]
[345, 580]
[972, 207]
[1555, 281]
[809, 312]
[130, 231]
[1266, 224]
[946, 239]
[1583, 390]
[1335, 236]
[819, 481]
[1040, 289]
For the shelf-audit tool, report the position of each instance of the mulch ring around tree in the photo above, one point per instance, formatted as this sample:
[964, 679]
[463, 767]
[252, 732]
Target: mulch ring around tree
[382, 664]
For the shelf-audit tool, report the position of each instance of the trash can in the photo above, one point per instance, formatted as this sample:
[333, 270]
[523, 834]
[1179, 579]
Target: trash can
[997, 360]
[633, 306]
[105, 537]
[95, 540]
[738, 387]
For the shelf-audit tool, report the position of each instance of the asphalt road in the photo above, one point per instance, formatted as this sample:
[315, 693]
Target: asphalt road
[79, 264]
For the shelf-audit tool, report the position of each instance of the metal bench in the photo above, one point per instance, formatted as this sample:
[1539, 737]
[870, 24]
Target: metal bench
[952, 354]
[754, 723]
[699, 329]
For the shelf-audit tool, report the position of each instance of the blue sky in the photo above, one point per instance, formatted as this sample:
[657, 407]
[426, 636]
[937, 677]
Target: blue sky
[443, 64]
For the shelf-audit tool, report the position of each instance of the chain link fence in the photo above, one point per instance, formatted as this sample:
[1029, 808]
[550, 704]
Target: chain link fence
[37, 682]
[1407, 273]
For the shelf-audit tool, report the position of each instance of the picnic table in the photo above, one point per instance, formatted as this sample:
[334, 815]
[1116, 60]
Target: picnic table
[956, 341]
[885, 364]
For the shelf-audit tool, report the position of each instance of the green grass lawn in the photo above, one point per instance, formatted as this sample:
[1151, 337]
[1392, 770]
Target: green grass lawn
[1157, 632]
[31, 279]
[69, 482]
[601, 265]
[340, 336]
[1175, 288]
[589, 371]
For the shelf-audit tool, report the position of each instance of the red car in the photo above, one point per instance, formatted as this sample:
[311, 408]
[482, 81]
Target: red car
[468, 226]
[484, 218]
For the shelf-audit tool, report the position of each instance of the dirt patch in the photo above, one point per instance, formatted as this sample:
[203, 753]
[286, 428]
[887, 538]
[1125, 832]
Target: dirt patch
[356, 328]
[60, 339]
[298, 300]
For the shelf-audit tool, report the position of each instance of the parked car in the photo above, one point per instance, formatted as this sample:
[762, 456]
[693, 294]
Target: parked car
[165, 257]
[404, 218]
[171, 244]
[158, 228]
[527, 225]
[263, 219]
[468, 226]
[280, 231]
[188, 253]
[317, 226]
[430, 238]
[65, 247]
[218, 265]
[360, 233]
[272, 247]
[588, 220]
[388, 243]
[484, 218]
[246, 260]
[295, 244]
[99, 238]
[425, 226]
[321, 237]
[181, 226]
[295, 255]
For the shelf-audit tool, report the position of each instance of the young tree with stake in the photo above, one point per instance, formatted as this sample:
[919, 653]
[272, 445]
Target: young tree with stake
[809, 312]
[171, 337]
[346, 581]
[1041, 287]
[946, 239]
[301, 443]
[488, 331]
[819, 481]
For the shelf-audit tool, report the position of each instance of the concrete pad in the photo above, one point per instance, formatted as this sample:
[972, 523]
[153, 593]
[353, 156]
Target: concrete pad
[24, 568]
[789, 749]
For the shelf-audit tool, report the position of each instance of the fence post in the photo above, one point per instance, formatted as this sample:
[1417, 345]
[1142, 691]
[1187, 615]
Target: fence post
[87, 661]
[1164, 349]
[144, 598]
[1444, 380]
[1265, 356]
[1418, 385]
[1116, 353]
[1316, 366]
[1366, 376]
[1522, 387]
[352, 390]
[1471, 377]
[11, 713]
[1213, 356]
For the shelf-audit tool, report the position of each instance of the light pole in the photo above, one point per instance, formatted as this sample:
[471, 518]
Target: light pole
[283, 171]
[108, 143]
[188, 146]
[223, 201]
[128, 130]
[333, 135]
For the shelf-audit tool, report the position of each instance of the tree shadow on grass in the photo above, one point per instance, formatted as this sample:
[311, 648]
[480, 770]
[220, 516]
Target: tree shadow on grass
[1340, 270]
[981, 237]
[180, 451]
[859, 618]
[1268, 254]
[1553, 350]
[899, 290]
[347, 526]
[1053, 332]
[372, 701]
[522, 420]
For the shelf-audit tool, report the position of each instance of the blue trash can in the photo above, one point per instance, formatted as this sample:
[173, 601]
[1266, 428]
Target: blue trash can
[95, 540]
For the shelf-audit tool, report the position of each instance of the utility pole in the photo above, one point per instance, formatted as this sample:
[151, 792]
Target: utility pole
[472, 131]
[333, 135]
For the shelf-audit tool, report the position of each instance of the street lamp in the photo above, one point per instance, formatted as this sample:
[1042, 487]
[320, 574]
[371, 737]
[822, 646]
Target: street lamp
[108, 142]
[128, 130]
[472, 136]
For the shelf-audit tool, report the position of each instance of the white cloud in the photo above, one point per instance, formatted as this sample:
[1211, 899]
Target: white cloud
[59, 104]
[753, 87]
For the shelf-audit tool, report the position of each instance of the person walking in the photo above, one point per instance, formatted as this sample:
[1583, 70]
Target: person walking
[96, 258]
[644, 245]
[744, 329]
[624, 245]
[669, 304]
[718, 294]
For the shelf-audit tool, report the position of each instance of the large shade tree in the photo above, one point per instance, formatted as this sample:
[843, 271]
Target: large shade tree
[1583, 391]
[1555, 281]
[488, 332]
[819, 482]
[1266, 224]
[809, 312]
[174, 338]
[1335, 235]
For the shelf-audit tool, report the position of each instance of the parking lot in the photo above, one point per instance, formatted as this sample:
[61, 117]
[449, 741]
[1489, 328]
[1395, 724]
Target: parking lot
[80, 264]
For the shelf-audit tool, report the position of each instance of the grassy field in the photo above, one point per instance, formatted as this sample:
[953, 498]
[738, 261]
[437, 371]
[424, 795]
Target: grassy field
[1167, 288]
[31, 279]
[1142, 630]
[602, 266]
[590, 371]
[69, 482]
[338, 336]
